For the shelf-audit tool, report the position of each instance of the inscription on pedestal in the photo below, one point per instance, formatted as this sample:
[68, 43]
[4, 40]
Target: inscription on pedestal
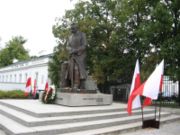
[71, 99]
[60, 98]
[96, 99]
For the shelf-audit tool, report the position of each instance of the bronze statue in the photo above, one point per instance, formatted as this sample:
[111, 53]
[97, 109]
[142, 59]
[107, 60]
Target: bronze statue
[74, 72]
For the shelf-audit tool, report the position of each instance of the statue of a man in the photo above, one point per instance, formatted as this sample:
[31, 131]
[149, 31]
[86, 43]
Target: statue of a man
[76, 45]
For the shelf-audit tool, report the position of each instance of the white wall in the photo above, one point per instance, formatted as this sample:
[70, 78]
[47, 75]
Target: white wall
[12, 86]
[15, 76]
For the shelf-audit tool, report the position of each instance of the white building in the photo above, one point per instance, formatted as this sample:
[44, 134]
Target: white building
[170, 88]
[14, 77]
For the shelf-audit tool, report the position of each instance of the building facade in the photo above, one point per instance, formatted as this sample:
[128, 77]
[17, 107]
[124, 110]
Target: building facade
[170, 88]
[14, 77]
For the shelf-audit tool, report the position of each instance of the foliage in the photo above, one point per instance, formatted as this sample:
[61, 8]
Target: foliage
[14, 50]
[14, 94]
[119, 32]
[60, 55]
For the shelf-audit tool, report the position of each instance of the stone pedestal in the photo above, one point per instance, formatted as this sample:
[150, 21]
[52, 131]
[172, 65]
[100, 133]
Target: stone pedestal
[83, 99]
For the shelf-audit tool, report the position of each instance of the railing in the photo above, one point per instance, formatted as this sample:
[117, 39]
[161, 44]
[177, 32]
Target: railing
[169, 97]
[170, 92]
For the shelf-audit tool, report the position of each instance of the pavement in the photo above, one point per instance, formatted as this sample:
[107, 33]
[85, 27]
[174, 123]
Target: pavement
[2, 133]
[172, 128]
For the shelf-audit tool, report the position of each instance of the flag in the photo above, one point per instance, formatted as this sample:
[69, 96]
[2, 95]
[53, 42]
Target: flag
[35, 88]
[46, 86]
[28, 87]
[134, 101]
[151, 87]
[46, 90]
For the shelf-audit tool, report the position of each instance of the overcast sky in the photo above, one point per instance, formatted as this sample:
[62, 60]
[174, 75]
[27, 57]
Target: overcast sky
[32, 19]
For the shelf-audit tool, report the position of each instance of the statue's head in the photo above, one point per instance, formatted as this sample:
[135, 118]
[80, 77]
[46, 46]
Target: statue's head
[74, 27]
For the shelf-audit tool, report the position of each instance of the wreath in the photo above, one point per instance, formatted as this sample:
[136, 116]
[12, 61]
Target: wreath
[48, 96]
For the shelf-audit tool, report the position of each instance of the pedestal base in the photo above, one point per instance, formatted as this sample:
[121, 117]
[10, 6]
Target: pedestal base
[83, 99]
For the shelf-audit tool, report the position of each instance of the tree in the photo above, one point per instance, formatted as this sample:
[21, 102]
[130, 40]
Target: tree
[13, 50]
[119, 32]
[54, 70]
[161, 35]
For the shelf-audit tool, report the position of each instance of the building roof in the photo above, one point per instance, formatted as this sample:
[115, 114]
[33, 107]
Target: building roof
[25, 62]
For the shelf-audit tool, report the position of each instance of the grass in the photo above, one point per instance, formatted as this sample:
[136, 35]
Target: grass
[14, 94]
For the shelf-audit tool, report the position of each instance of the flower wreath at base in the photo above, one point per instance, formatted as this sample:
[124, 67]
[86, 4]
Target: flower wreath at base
[49, 96]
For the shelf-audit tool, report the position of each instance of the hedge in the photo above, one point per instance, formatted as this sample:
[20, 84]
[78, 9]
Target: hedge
[14, 94]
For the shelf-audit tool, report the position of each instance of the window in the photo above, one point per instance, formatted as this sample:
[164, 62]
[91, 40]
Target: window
[15, 78]
[7, 78]
[42, 79]
[26, 77]
[4, 78]
[20, 78]
[10, 79]
[36, 77]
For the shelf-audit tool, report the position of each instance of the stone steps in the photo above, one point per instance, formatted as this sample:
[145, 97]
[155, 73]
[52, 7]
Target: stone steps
[31, 121]
[47, 110]
[55, 119]
[19, 129]
[121, 128]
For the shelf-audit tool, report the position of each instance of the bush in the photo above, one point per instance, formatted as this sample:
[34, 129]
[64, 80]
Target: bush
[15, 94]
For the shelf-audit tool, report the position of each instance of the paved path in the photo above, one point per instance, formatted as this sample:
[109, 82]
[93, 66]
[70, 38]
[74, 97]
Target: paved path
[166, 129]
[2, 133]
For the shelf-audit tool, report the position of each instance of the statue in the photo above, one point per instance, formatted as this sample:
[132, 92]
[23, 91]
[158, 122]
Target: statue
[74, 80]
[73, 72]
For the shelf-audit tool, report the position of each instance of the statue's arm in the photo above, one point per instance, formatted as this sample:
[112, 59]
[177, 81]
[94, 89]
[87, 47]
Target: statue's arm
[68, 47]
[82, 48]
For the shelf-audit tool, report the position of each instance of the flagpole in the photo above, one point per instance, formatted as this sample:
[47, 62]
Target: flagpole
[142, 111]
[155, 109]
[160, 99]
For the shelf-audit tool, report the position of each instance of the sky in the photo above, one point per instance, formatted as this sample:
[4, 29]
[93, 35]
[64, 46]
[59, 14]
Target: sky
[33, 20]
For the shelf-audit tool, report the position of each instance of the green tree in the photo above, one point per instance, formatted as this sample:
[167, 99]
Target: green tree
[119, 32]
[13, 50]
[59, 56]
[161, 35]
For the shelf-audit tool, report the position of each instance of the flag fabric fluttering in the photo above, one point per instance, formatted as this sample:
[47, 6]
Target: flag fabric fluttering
[46, 90]
[152, 86]
[28, 87]
[34, 88]
[134, 101]
[46, 86]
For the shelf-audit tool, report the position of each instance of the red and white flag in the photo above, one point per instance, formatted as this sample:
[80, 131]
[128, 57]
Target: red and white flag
[151, 87]
[134, 101]
[28, 86]
[46, 86]
[35, 88]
